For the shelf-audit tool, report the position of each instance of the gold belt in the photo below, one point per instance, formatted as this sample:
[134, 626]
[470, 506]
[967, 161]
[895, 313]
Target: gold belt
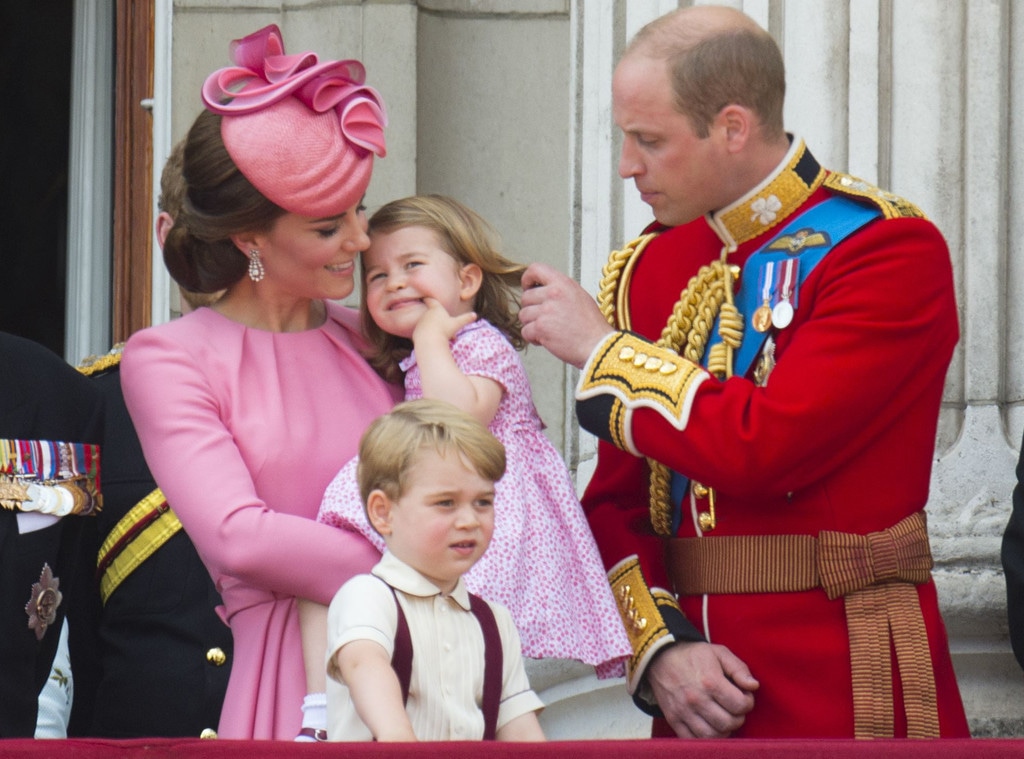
[137, 535]
[875, 574]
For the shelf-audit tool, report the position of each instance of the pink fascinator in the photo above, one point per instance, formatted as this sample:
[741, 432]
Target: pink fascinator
[303, 132]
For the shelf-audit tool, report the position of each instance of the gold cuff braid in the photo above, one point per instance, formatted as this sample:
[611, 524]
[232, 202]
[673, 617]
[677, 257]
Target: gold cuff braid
[639, 373]
[641, 611]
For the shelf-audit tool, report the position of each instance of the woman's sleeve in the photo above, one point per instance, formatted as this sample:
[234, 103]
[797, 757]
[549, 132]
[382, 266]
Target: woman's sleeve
[196, 462]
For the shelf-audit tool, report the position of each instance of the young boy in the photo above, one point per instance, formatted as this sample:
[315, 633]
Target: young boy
[426, 476]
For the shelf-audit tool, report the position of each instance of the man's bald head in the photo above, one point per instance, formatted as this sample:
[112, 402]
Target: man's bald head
[717, 56]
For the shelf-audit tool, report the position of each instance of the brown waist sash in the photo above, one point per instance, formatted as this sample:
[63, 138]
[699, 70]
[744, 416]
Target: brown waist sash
[875, 574]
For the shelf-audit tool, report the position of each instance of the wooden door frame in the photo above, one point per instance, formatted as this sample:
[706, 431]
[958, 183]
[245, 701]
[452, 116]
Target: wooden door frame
[133, 168]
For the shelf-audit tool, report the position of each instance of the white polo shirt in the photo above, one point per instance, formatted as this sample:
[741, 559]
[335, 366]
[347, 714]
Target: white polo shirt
[446, 687]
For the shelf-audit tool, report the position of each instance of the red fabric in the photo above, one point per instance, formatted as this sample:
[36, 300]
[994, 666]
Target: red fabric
[649, 749]
[841, 438]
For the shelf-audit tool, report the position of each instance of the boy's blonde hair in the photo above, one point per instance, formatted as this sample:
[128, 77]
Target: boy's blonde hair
[469, 239]
[388, 449]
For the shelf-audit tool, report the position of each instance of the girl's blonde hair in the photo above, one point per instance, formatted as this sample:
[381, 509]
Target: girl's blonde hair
[467, 238]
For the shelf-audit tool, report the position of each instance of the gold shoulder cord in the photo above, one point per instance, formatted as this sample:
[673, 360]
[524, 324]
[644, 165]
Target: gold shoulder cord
[95, 364]
[708, 294]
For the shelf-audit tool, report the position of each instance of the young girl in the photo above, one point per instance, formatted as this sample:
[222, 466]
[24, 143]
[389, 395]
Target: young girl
[439, 307]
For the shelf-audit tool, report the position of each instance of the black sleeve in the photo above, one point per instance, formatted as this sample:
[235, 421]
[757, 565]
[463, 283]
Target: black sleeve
[1013, 564]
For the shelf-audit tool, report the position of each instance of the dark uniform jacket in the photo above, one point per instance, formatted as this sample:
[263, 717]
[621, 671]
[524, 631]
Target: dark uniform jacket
[41, 398]
[164, 653]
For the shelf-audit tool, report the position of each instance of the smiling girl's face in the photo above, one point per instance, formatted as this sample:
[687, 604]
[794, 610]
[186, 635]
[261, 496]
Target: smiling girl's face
[405, 266]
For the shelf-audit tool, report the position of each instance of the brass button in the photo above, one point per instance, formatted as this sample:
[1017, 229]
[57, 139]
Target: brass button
[216, 657]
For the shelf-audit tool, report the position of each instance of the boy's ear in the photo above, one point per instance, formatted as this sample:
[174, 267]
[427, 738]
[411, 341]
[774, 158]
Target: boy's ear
[471, 276]
[378, 511]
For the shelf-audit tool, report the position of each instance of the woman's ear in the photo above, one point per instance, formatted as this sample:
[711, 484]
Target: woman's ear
[471, 277]
[247, 242]
[164, 223]
[378, 511]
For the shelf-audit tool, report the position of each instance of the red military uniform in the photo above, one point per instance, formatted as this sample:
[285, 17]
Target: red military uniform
[837, 433]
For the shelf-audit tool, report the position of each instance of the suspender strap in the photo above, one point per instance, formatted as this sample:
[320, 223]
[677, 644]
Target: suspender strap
[492, 664]
[875, 575]
[401, 659]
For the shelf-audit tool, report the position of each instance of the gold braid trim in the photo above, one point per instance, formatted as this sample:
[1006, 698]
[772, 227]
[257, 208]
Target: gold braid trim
[611, 275]
[687, 332]
[94, 364]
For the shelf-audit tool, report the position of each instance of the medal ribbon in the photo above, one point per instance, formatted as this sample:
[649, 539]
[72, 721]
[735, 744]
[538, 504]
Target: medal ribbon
[788, 269]
[49, 460]
[766, 284]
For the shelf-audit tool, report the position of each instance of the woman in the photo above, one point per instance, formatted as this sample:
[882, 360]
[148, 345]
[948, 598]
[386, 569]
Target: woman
[246, 409]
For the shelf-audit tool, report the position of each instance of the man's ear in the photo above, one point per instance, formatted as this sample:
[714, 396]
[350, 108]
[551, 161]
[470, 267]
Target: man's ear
[735, 124]
[471, 276]
[378, 511]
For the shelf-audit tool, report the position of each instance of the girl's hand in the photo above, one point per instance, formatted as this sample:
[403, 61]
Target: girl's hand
[438, 322]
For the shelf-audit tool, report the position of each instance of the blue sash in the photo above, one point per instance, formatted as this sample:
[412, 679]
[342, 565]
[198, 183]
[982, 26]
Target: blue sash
[835, 219]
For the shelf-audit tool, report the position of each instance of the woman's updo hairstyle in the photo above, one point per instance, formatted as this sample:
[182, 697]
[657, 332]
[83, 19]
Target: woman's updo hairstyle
[219, 202]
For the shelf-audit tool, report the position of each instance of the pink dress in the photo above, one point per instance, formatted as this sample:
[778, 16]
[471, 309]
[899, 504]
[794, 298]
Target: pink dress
[542, 563]
[243, 430]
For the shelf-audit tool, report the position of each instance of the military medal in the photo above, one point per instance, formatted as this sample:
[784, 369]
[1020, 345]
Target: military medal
[762, 318]
[765, 364]
[782, 314]
[12, 493]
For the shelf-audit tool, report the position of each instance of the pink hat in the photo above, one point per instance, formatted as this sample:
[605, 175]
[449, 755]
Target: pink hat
[303, 132]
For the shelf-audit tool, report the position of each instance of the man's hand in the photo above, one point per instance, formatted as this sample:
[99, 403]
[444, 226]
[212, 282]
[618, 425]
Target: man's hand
[703, 690]
[560, 315]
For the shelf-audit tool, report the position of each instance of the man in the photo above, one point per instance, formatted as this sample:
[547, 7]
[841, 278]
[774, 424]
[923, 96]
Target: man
[50, 428]
[766, 398]
[164, 652]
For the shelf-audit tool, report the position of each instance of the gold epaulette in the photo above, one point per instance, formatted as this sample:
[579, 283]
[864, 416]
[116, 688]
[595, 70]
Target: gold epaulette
[641, 608]
[96, 364]
[891, 206]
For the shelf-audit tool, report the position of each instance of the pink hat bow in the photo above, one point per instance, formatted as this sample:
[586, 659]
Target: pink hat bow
[302, 131]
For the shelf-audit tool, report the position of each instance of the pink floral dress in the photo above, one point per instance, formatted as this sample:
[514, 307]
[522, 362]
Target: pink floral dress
[542, 564]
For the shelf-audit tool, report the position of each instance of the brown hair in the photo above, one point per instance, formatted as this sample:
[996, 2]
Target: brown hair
[388, 449]
[218, 202]
[468, 239]
[172, 183]
[170, 200]
[715, 66]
